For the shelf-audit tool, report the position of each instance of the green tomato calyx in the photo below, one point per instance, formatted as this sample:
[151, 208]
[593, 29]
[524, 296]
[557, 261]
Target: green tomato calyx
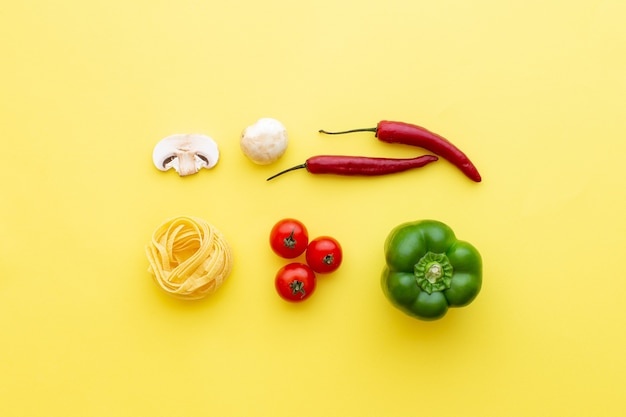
[289, 241]
[297, 287]
[433, 272]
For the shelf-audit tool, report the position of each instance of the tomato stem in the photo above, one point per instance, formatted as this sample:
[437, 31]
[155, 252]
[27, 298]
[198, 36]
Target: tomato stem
[297, 287]
[289, 241]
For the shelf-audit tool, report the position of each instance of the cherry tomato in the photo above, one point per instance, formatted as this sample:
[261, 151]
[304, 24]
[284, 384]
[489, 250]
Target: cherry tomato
[324, 254]
[295, 282]
[289, 238]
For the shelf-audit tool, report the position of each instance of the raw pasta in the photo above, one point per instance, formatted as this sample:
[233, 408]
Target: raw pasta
[189, 258]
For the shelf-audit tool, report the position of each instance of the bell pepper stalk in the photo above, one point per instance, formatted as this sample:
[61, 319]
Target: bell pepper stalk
[429, 270]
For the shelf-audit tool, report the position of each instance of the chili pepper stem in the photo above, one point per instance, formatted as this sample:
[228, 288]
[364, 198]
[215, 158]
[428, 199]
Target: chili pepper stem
[366, 129]
[287, 170]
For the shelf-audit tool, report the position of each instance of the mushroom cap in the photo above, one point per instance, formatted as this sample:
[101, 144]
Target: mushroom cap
[187, 153]
[265, 141]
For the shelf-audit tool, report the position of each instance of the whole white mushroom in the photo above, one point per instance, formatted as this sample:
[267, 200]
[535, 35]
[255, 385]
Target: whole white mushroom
[265, 141]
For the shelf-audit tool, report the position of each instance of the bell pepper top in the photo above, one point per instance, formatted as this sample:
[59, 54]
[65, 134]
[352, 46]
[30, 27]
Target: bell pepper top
[429, 270]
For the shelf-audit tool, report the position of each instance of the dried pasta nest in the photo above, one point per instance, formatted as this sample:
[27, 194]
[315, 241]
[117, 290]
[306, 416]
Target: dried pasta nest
[189, 258]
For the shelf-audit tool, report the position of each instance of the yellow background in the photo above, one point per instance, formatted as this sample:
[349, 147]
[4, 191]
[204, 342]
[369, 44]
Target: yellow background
[532, 91]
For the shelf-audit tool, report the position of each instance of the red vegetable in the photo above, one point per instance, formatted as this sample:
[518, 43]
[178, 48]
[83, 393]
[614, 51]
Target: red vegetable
[359, 165]
[295, 282]
[324, 254]
[410, 134]
[289, 238]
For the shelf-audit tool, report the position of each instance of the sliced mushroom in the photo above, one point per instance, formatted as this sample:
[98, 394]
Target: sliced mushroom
[186, 153]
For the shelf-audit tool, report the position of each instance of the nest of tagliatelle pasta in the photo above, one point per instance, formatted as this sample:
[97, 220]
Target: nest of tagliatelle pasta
[189, 258]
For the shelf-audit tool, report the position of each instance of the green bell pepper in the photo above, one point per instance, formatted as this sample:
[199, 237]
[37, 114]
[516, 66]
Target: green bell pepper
[428, 270]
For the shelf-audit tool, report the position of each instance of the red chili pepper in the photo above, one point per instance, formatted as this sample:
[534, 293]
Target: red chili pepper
[359, 165]
[410, 134]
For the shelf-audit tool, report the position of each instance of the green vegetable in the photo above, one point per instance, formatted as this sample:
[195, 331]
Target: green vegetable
[428, 269]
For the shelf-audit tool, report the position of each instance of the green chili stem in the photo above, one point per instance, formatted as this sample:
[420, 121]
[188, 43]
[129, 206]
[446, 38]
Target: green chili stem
[287, 170]
[367, 129]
